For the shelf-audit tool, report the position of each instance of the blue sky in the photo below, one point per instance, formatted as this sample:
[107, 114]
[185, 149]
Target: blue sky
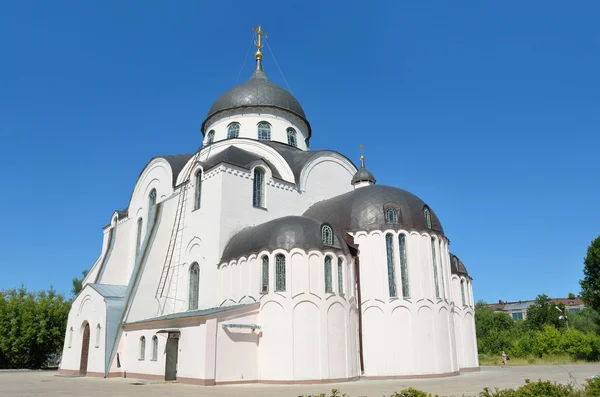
[489, 111]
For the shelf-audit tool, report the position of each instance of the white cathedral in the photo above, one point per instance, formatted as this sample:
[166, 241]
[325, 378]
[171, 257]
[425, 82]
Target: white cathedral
[256, 259]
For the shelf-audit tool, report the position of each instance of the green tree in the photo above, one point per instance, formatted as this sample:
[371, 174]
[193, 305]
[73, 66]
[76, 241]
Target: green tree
[32, 326]
[590, 285]
[78, 283]
[587, 320]
[571, 296]
[543, 312]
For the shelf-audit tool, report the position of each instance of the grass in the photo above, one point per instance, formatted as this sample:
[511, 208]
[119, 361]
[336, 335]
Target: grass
[558, 359]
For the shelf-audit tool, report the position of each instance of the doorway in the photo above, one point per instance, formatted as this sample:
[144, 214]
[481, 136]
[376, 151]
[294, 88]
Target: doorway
[85, 349]
[172, 350]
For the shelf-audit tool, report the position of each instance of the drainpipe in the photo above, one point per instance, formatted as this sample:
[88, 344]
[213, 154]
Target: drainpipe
[359, 301]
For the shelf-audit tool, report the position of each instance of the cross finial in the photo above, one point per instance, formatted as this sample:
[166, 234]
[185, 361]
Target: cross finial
[259, 47]
[362, 157]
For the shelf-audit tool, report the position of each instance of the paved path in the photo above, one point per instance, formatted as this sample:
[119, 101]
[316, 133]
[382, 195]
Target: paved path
[50, 384]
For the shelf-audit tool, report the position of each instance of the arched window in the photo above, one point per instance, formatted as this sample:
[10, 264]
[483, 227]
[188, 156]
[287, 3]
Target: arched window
[98, 333]
[154, 348]
[279, 273]
[151, 201]
[404, 266]
[340, 276]
[265, 275]
[70, 337]
[264, 131]
[292, 141]
[427, 214]
[258, 197]
[462, 291]
[138, 240]
[389, 245]
[327, 234]
[198, 193]
[391, 215]
[233, 130]
[328, 286]
[194, 286]
[435, 268]
[455, 263]
[143, 348]
[210, 137]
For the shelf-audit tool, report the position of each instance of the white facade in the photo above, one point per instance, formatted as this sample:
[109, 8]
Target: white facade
[172, 296]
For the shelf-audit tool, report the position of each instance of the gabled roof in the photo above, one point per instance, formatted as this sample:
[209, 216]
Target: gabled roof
[110, 290]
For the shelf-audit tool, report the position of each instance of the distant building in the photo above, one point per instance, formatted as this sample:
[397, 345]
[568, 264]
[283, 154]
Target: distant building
[518, 310]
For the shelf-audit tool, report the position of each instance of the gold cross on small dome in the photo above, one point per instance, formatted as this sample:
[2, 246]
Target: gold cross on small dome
[362, 157]
[259, 47]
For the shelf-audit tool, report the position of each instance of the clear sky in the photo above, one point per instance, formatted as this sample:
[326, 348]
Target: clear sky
[489, 111]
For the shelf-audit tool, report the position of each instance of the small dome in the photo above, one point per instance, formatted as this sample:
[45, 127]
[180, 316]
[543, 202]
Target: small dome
[364, 209]
[284, 233]
[457, 267]
[362, 175]
[257, 91]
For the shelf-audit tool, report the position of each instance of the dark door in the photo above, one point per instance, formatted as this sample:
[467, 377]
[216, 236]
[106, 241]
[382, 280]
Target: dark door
[171, 361]
[85, 349]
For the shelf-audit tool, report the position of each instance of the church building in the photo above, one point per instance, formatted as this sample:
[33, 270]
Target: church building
[258, 260]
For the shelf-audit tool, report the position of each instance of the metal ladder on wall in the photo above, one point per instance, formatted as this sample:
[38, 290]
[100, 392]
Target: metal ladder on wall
[175, 241]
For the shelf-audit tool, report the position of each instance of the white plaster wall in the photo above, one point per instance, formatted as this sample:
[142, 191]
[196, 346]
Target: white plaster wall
[88, 307]
[248, 119]
[412, 335]
[131, 357]
[237, 350]
[115, 271]
[325, 177]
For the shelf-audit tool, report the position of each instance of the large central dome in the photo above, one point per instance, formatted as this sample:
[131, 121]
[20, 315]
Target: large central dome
[258, 91]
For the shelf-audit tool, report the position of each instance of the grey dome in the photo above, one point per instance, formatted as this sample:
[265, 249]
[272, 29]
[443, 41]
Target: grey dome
[257, 91]
[285, 233]
[362, 175]
[457, 267]
[364, 209]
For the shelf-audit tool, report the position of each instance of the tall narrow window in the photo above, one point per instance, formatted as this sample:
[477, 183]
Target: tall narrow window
[404, 266]
[391, 215]
[98, 333]
[154, 348]
[280, 273]
[455, 263]
[151, 201]
[143, 348]
[328, 286]
[198, 192]
[427, 215]
[264, 131]
[233, 130]
[435, 269]
[210, 138]
[292, 141]
[138, 241]
[194, 286]
[265, 275]
[340, 276]
[327, 234]
[462, 291]
[70, 336]
[441, 264]
[258, 196]
[389, 244]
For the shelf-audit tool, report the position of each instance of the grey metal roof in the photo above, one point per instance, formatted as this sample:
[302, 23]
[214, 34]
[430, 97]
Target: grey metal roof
[257, 91]
[518, 306]
[238, 157]
[285, 233]
[457, 266]
[110, 290]
[194, 313]
[364, 209]
[177, 162]
[362, 175]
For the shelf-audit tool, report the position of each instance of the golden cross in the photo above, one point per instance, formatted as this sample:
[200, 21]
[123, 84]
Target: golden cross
[259, 47]
[362, 157]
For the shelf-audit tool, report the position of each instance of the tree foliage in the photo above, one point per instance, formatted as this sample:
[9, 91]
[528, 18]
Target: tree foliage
[32, 326]
[78, 283]
[544, 312]
[590, 285]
